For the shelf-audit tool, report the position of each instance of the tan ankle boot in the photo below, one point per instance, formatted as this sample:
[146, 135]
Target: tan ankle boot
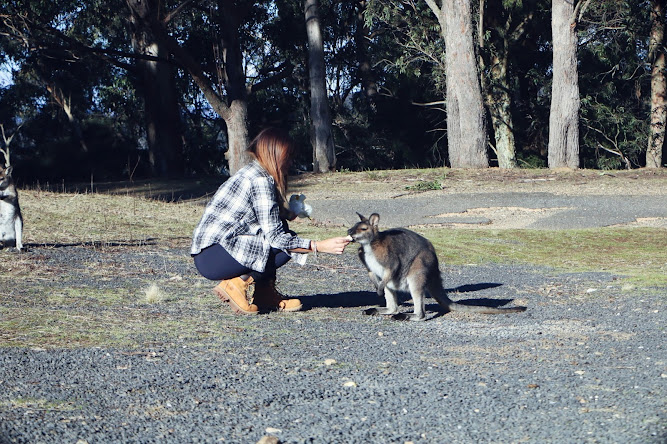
[239, 294]
[268, 297]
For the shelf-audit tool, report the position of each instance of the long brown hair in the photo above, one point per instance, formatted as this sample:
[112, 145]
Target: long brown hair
[273, 149]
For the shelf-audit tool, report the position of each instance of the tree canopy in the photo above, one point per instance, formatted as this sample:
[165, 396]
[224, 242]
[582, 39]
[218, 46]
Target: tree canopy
[127, 89]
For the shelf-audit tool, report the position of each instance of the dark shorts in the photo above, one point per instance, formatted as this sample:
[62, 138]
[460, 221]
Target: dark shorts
[216, 264]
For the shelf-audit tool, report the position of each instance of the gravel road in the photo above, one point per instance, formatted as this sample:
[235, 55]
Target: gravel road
[585, 364]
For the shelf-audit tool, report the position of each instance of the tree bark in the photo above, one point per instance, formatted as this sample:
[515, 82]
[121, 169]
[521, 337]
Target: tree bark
[162, 114]
[494, 62]
[658, 87]
[563, 150]
[500, 107]
[466, 123]
[324, 156]
[234, 79]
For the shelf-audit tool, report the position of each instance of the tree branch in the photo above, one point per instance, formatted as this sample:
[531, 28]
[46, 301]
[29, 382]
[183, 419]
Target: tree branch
[169, 17]
[195, 70]
[579, 11]
[286, 70]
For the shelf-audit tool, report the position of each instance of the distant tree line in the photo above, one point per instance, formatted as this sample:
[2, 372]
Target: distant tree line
[147, 88]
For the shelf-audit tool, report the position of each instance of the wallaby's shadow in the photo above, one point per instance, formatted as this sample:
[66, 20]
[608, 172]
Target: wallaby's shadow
[348, 299]
[351, 299]
[473, 287]
[480, 302]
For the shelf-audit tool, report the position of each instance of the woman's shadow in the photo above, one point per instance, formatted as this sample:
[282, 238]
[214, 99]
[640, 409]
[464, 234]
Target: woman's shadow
[351, 299]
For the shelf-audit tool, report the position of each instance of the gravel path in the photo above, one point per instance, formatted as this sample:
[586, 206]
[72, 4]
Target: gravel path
[585, 363]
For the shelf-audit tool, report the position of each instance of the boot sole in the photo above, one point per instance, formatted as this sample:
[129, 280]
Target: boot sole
[289, 310]
[235, 307]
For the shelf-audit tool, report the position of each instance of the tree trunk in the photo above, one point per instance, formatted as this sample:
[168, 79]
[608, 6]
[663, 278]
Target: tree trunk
[658, 88]
[162, 114]
[237, 136]
[565, 102]
[234, 79]
[494, 61]
[466, 123]
[500, 106]
[324, 156]
[163, 125]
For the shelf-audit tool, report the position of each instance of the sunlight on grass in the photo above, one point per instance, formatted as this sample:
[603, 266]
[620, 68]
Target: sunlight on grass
[66, 218]
[73, 315]
[639, 253]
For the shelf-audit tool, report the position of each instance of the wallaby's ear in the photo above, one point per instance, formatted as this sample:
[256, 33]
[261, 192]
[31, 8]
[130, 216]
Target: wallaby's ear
[363, 219]
[374, 219]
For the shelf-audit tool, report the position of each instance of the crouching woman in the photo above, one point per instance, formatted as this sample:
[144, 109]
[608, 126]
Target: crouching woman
[243, 237]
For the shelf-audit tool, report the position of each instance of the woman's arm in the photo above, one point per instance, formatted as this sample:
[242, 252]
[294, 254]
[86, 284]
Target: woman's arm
[334, 245]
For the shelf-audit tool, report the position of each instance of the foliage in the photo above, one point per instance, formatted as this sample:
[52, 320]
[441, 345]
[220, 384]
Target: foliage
[386, 80]
[613, 79]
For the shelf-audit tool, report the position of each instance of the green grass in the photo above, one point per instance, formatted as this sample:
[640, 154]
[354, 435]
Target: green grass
[639, 254]
[425, 186]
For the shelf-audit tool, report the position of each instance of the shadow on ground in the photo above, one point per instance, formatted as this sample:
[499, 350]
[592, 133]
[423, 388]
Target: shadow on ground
[352, 299]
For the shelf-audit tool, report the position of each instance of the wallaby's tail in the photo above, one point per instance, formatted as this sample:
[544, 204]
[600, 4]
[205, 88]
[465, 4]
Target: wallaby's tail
[463, 308]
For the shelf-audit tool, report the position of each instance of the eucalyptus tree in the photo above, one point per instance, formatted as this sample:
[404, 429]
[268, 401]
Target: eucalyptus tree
[443, 49]
[219, 72]
[466, 120]
[324, 156]
[501, 27]
[565, 101]
[656, 55]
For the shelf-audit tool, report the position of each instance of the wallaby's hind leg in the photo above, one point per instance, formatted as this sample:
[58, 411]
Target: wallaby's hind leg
[391, 305]
[419, 279]
[18, 228]
[391, 302]
[416, 285]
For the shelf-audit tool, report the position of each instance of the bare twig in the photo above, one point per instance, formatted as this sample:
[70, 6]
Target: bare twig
[7, 141]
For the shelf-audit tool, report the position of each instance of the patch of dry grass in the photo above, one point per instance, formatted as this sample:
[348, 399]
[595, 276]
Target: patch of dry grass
[68, 218]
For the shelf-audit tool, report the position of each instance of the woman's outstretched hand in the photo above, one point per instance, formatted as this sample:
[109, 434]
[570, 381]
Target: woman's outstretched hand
[335, 245]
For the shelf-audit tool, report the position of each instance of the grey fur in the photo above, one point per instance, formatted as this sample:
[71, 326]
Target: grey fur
[11, 221]
[400, 260]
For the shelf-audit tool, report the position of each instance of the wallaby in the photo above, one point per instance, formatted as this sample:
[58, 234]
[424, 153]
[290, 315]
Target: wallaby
[11, 221]
[400, 260]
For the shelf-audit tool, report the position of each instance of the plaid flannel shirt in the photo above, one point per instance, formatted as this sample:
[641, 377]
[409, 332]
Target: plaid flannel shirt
[243, 217]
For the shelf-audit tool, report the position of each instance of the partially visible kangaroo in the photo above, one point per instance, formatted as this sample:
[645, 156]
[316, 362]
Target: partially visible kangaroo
[402, 260]
[11, 221]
